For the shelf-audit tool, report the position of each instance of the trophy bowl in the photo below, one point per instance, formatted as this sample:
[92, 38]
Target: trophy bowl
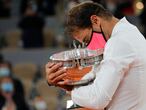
[78, 62]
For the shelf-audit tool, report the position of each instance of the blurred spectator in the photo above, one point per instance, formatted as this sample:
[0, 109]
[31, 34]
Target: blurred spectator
[111, 5]
[103, 2]
[23, 6]
[46, 7]
[72, 3]
[39, 103]
[1, 58]
[5, 8]
[9, 99]
[43, 7]
[124, 8]
[143, 17]
[32, 28]
[119, 8]
[6, 71]
[2, 41]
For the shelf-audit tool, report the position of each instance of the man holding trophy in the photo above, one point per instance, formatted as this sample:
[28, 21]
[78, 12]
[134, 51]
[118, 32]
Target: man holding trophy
[117, 82]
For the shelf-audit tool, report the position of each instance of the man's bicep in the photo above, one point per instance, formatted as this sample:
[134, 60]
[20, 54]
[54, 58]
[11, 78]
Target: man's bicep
[100, 92]
[109, 77]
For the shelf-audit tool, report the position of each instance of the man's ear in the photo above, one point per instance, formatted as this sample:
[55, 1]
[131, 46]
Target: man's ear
[95, 20]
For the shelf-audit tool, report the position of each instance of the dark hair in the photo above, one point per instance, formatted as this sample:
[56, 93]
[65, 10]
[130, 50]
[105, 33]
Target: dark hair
[79, 16]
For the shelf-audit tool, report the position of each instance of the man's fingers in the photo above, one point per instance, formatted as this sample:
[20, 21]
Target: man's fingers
[55, 80]
[65, 82]
[57, 74]
[54, 68]
[49, 64]
[60, 77]
[61, 83]
[57, 66]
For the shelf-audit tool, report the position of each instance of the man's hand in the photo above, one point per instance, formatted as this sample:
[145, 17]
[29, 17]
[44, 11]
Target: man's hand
[55, 74]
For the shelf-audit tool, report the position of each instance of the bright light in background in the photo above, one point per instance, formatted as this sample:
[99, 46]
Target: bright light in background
[139, 5]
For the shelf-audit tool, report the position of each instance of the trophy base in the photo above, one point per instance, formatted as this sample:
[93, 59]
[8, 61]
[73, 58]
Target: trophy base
[74, 75]
[80, 83]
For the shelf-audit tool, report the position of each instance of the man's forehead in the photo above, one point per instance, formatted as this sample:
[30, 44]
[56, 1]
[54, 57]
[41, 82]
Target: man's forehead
[79, 32]
[76, 31]
[76, 35]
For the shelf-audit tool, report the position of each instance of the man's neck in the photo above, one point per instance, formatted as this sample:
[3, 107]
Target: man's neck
[108, 26]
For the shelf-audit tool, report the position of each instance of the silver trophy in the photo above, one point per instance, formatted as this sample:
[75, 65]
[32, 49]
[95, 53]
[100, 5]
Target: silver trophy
[78, 62]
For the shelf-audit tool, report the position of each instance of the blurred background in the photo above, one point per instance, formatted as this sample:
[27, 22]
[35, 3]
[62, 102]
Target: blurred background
[31, 31]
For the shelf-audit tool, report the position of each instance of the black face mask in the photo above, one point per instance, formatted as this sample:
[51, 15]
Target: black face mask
[97, 40]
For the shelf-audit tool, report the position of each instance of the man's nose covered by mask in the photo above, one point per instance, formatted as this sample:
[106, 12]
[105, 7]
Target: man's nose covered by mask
[7, 87]
[97, 42]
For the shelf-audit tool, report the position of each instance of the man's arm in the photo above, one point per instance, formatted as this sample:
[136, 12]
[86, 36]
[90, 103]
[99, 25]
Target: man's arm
[117, 59]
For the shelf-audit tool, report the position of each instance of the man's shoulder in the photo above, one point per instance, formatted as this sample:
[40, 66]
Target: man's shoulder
[125, 28]
[125, 31]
